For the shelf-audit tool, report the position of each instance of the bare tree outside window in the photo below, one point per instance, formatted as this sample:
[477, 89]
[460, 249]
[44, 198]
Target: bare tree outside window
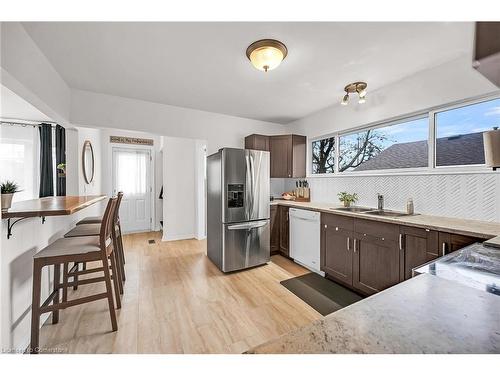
[323, 156]
[355, 149]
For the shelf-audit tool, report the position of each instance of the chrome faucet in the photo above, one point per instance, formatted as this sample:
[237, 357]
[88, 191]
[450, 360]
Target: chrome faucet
[380, 198]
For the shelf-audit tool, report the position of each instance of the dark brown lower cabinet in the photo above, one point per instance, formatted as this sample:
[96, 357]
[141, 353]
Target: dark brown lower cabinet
[275, 229]
[284, 231]
[336, 249]
[359, 253]
[417, 246]
[375, 263]
[371, 256]
[450, 242]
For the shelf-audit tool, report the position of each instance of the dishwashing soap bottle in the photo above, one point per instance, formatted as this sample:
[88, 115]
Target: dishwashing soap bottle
[410, 209]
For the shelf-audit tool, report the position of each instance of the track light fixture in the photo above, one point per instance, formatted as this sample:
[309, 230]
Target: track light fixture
[355, 87]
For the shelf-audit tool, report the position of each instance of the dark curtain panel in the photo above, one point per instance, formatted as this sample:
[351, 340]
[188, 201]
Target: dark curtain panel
[60, 158]
[46, 165]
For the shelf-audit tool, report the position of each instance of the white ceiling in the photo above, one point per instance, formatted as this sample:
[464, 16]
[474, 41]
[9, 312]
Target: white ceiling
[13, 106]
[203, 65]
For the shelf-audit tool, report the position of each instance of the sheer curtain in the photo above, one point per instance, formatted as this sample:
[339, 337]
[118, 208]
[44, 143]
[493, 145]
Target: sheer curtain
[131, 172]
[19, 158]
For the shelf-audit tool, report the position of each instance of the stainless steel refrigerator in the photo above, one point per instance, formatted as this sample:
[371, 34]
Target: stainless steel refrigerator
[238, 208]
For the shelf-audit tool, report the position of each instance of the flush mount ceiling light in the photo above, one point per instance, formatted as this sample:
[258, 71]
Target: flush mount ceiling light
[266, 54]
[355, 87]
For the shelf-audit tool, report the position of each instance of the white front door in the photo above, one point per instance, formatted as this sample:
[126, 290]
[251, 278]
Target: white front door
[132, 176]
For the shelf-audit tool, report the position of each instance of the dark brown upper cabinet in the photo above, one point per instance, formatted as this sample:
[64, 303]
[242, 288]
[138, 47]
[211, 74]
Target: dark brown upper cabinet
[288, 156]
[257, 142]
[288, 153]
[487, 50]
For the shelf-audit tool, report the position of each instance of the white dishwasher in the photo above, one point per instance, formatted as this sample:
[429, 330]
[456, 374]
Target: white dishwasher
[305, 238]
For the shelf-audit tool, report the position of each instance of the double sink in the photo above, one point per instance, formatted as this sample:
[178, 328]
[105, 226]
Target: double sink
[371, 211]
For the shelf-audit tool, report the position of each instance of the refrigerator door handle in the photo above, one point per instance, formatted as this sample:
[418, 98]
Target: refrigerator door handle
[252, 225]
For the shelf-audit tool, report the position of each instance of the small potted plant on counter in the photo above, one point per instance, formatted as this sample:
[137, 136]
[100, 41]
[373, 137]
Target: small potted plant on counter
[8, 188]
[347, 198]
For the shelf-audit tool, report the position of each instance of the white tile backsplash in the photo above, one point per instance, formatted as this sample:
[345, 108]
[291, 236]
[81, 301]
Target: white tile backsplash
[278, 186]
[468, 196]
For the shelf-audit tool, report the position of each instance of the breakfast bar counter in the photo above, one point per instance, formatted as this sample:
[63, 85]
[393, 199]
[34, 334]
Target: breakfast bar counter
[48, 206]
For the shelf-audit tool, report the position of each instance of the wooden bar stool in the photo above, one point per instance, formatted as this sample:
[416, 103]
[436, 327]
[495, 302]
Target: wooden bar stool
[66, 250]
[86, 230]
[118, 229]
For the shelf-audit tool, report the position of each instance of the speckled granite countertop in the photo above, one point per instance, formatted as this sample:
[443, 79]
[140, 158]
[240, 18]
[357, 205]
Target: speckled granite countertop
[475, 228]
[425, 314]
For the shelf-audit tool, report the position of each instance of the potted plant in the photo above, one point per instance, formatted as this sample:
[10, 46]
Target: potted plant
[347, 198]
[8, 188]
[62, 168]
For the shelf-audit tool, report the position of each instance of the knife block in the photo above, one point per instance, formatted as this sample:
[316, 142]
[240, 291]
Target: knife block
[302, 194]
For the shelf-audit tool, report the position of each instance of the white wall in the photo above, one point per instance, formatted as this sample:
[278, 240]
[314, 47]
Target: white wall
[73, 159]
[200, 189]
[452, 81]
[472, 196]
[179, 191]
[106, 111]
[27, 72]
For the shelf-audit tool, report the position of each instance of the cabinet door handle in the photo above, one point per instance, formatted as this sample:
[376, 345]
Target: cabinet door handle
[348, 244]
[443, 249]
[400, 241]
[354, 244]
[336, 228]
[326, 226]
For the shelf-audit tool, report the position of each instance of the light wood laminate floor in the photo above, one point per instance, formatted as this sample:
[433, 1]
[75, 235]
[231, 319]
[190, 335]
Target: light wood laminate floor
[176, 301]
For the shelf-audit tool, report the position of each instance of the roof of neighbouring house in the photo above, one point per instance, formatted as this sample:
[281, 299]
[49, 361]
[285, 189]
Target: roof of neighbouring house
[463, 149]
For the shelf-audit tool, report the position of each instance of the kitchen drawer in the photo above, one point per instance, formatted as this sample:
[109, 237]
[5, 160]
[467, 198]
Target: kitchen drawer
[372, 228]
[342, 222]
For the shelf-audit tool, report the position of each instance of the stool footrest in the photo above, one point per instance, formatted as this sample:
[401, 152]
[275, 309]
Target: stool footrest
[78, 301]
[84, 272]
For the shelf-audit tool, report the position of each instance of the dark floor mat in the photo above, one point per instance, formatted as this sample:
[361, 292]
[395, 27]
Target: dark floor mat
[321, 294]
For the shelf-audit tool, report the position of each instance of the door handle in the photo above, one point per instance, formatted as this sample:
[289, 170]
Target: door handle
[247, 226]
[443, 249]
[400, 241]
[354, 244]
[348, 244]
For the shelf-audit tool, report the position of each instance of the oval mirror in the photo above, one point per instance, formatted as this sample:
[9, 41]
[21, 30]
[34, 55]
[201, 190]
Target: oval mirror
[88, 162]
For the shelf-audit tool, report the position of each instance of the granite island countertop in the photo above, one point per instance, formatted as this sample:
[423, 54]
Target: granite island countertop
[474, 228]
[476, 265]
[425, 314]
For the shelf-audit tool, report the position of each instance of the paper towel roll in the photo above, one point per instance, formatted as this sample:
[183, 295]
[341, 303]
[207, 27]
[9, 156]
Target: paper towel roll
[492, 148]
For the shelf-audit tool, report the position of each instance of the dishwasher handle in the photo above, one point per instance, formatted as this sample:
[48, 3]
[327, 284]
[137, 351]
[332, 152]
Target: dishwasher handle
[303, 218]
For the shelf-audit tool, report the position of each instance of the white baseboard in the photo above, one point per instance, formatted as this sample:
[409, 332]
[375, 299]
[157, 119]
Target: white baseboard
[177, 237]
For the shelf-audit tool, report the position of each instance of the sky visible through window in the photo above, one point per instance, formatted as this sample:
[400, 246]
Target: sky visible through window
[473, 118]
